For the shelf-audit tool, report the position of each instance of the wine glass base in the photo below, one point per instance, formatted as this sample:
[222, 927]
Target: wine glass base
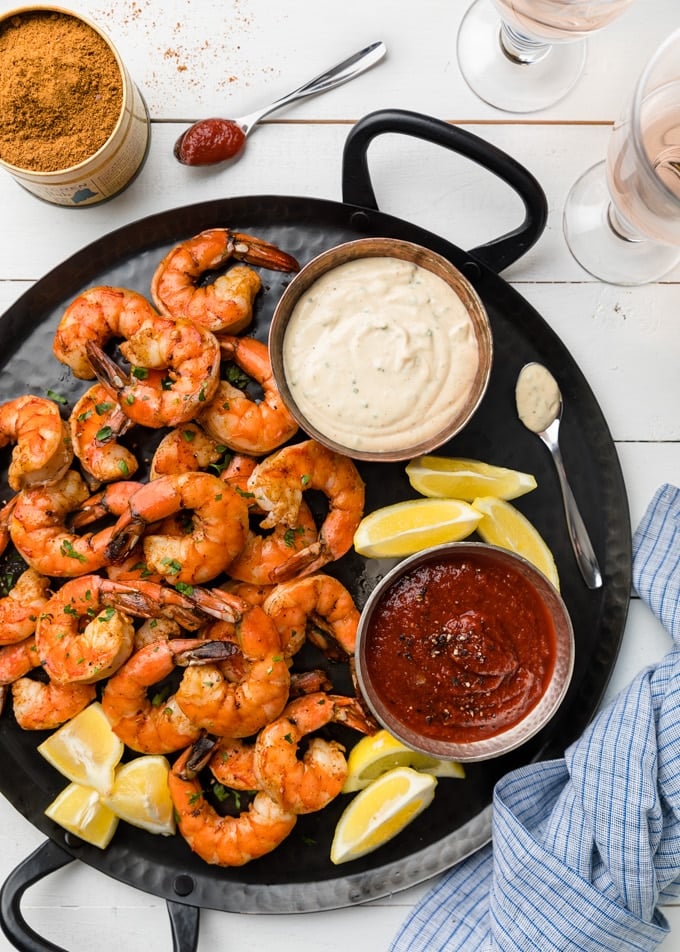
[505, 83]
[598, 248]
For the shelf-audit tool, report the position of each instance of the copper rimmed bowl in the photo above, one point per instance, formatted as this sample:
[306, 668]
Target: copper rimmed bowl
[464, 651]
[348, 348]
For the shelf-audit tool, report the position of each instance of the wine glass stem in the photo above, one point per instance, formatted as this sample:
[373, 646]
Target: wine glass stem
[620, 228]
[520, 48]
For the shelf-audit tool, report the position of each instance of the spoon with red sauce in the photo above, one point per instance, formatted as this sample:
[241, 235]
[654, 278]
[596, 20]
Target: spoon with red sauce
[210, 141]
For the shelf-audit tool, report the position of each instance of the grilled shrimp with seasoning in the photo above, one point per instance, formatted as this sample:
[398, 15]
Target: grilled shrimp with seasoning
[224, 840]
[84, 632]
[20, 608]
[5, 521]
[42, 706]
[80, 635]
[318, 607]
[226, 304]
[96, 423]
[174, 371]
[174, 364]
[185, 449]
[39, 530]
[197, 549]
[265, 551]
[37, 705]
[17, 660]
[42, 444]
[280, 480]
[232, 761]
[231, 417]
[155, 726]
[308, 783]
[248, 691]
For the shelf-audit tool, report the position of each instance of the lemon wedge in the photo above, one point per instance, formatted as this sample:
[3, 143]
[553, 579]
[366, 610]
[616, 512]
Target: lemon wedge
[377, 753]
[505, 526]
[380, 811]
[461, 478]
[407, 527]
[80, 810]
[140, 794]
[85, 749]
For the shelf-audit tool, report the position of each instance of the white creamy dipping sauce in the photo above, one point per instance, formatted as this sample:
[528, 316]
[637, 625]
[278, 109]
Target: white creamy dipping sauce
[537, 396]
[380, 354]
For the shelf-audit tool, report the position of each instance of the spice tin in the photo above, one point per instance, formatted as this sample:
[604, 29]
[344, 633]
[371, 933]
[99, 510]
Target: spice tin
[115, 164]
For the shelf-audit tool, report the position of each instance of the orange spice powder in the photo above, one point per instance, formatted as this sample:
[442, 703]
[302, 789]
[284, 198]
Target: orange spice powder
[61, 91]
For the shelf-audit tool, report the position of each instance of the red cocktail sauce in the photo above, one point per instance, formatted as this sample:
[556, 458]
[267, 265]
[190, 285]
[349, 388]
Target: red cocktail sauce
[460, 650]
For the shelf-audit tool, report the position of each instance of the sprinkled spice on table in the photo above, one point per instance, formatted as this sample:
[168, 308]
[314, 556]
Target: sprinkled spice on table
[61, 91]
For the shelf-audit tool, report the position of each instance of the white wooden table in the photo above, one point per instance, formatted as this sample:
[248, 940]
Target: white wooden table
[194, 59]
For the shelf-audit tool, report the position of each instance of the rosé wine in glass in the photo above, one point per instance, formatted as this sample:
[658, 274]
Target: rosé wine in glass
[553, 20]
[638, 199]
[622, 217]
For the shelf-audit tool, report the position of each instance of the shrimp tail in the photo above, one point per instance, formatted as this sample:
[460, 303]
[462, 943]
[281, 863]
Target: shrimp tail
[219, 604]
[326, 642]
[198, 757]
[360, 717]
[307, 560]
[207, 653]
[101, 505]
[309, 682]
[106, 370]
[137, 603]
[351, 711]
[124, 539]
[261, 253]
[151, 600]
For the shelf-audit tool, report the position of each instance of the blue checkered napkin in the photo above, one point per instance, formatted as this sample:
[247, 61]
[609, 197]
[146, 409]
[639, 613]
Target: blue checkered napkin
[584, 848]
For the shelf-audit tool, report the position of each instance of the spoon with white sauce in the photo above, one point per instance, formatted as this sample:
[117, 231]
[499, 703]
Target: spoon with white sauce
[539, 407]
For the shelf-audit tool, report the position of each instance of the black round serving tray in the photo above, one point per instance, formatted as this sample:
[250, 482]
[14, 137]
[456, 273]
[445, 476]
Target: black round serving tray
[298, 876]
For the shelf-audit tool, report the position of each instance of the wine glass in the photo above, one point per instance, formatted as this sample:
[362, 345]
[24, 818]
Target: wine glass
[622, 217]
[525, 55]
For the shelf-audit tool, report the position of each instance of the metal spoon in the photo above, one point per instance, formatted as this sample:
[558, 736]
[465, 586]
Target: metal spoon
[539, 407]
[209, 141]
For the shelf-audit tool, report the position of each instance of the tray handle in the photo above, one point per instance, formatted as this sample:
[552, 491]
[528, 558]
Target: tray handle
[48, 858]
[357, 188]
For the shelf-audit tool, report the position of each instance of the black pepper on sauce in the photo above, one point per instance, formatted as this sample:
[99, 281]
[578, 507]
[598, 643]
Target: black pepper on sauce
[460, 650]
